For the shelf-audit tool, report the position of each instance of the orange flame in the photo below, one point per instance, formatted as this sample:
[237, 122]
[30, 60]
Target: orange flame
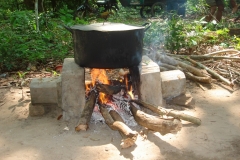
[101, 76]
[130, 93]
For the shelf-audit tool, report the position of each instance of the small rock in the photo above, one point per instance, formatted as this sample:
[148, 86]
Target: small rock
[66, 129]
[183, 100]
[4, 75]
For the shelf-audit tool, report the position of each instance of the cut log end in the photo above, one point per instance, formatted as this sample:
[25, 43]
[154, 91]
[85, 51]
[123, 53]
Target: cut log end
[172, 126]
[81, 127]
[128, 142]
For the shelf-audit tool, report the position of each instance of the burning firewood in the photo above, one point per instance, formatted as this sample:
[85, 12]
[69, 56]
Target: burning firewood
[87, 112]
[108, 89]
[172, 113]
[116, 123]
[155, 123]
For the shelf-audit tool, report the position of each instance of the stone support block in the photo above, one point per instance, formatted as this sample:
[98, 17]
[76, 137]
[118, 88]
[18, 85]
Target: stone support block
[173, 83]
[73, 90]
[150, 82]
[44, 90]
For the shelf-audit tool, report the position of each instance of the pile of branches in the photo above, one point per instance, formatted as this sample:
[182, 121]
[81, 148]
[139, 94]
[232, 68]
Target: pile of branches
[223, 66]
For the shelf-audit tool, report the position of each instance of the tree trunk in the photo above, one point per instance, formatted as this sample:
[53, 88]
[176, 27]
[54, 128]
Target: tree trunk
[36, 15]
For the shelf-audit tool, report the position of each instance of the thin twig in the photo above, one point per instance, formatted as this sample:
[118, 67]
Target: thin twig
[201, 86]
[214, 74]
[222, 51]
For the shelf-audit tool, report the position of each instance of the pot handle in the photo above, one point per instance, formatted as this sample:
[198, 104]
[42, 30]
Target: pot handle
[147, 26]
[68, 28]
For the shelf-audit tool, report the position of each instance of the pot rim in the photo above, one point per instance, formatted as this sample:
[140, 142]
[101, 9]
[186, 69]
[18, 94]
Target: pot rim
[106, 27]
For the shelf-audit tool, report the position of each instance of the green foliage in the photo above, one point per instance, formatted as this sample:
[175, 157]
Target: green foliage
[237, 42]
[21, 44]
[177, 33]
[175, 37]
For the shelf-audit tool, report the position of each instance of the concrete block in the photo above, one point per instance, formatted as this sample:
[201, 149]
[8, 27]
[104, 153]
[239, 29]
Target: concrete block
[44, 90]
[150, 82]
[73, 90]
[173, 83]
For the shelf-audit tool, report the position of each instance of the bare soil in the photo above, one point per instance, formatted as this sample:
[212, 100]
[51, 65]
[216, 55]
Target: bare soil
[46, 138]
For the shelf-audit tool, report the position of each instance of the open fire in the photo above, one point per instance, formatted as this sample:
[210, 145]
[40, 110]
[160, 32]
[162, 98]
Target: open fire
[114, 94]
[112, 101]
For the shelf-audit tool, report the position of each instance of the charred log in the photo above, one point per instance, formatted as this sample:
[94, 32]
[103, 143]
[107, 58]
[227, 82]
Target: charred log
[109, 89]
[155, 123]
[129, 136]
[87, 112]
[135, 78]
[116, 116]
[172, 113]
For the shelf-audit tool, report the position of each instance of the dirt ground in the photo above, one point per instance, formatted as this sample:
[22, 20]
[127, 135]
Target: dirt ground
[44, 138]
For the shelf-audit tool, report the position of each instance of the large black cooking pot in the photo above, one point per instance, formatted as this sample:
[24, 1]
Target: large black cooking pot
[108, 45]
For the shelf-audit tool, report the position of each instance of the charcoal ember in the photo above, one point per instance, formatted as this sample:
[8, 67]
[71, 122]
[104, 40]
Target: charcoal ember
[109, 89]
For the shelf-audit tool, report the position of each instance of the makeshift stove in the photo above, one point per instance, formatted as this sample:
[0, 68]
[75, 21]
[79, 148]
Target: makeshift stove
[73, 88]
[112, 101]
[111, 46]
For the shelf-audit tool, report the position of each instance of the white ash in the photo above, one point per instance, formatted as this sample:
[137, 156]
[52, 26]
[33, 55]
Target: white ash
[120, 104]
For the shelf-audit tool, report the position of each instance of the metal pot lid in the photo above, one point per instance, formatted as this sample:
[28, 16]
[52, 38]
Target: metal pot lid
[106, 27]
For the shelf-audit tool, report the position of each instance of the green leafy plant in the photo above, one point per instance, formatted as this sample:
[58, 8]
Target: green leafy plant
[55, 74]
[21, 75]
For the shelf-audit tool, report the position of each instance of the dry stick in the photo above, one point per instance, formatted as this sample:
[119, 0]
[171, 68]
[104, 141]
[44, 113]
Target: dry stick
[87, 112]
[222, 51]
[129, 136]
[192, 69]
[155, 123]
[214, 74]
[208, 57]
[236, 72]
[230, 74]
[232, 69]
[170, 67]
[172, 113]
[197, 78]
[201, 86]
[235, 65]
[4, 87]
[163, 69]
